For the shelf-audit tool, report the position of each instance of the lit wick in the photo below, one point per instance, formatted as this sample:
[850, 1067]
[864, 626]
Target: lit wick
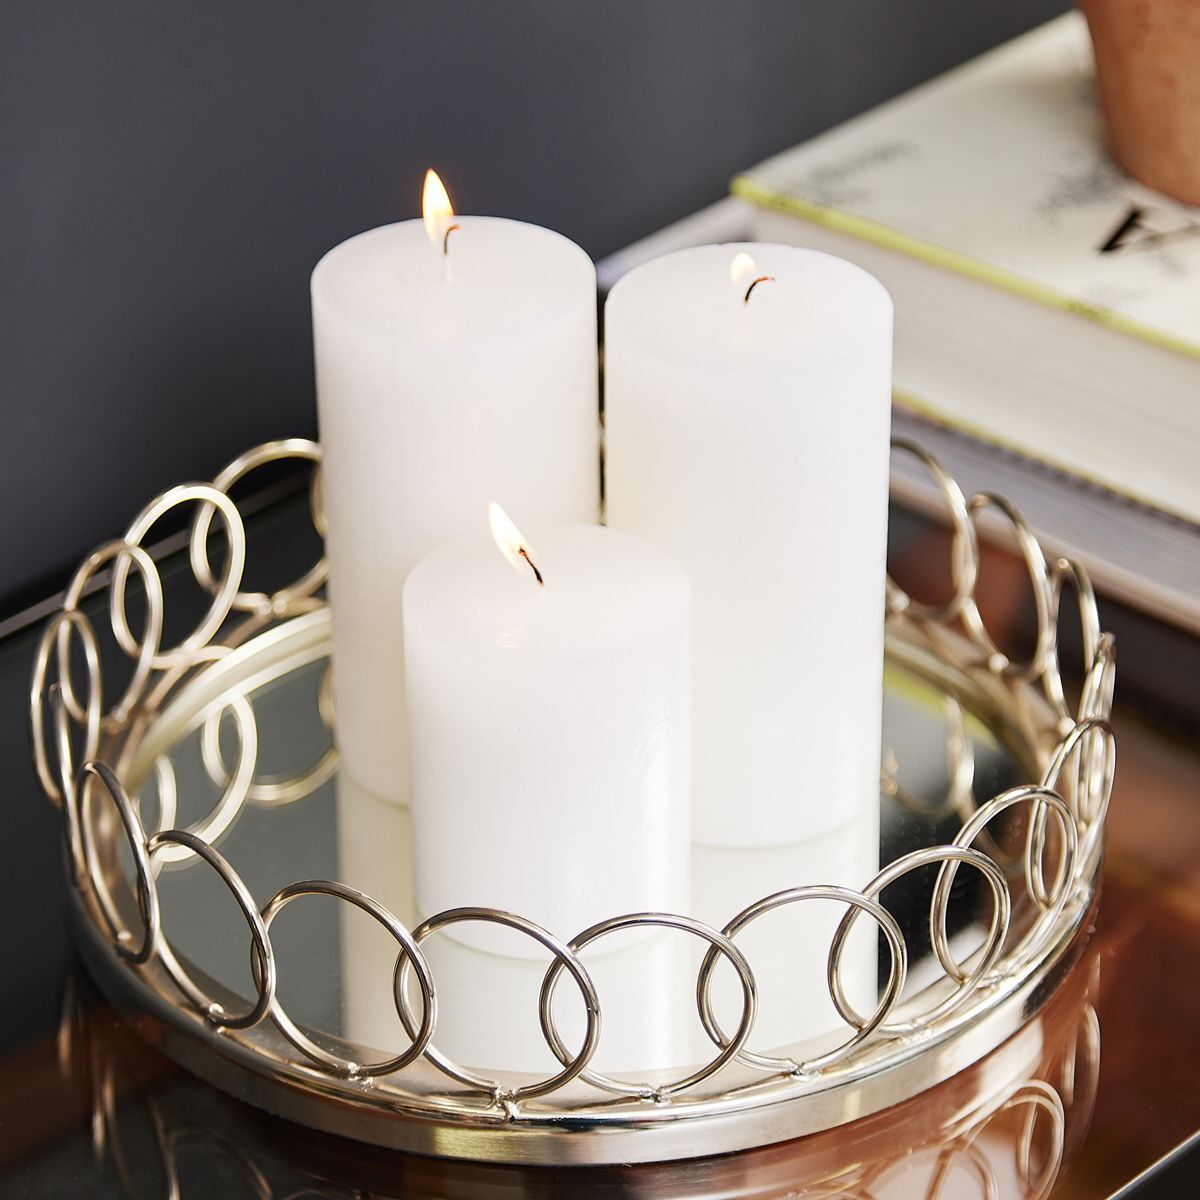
[742, 267]
[760, 279]
[511, 543]
[532, 566]
[446, 240]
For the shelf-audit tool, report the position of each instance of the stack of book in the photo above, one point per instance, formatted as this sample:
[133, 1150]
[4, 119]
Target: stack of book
[1047, 307]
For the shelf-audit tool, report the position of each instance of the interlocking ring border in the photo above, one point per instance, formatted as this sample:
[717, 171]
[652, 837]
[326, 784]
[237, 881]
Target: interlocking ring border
[68, 725]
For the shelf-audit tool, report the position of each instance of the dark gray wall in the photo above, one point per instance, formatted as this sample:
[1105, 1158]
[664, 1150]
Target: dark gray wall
[172, 171]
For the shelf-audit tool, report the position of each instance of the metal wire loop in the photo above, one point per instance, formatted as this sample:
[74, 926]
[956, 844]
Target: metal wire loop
[281, 602]
[146, 889]
[263, 956]
[222, 602]
[563, 954]
[1050, 901]
[1065, 569]
[142, 651]
[90, 716]
[968, 979]
[66, 783]
[410, 954]
[1035, 564]
[1096, 698]
[1093, 745]
[964, 560]
[719, 944]
[166, 797]
[897, 972]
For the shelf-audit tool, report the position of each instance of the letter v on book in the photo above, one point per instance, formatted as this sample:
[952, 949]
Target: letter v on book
[1133, 233]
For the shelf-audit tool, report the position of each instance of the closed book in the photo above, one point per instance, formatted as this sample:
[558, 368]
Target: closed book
[1047, 307]
[1045, 303]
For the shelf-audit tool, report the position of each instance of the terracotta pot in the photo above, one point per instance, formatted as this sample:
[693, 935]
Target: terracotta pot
[1148, 77]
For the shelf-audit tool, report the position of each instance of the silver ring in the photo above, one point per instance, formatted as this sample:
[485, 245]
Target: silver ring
[146, 890]
[278, 603]
[1039, 797]
[1035, 564]
[1089, 624]
[143, 652]
[409, 953]
[964, 563]
[968, 980]
[222, 601]
[563, 955]
[897, 973]
[1096, 697]
[50, 641]
[719, 944]
[263, 955]
[1091, 796]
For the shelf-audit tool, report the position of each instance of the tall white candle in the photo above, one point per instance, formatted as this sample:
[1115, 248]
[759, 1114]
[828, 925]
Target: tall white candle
[747, 435]
[442, 380]
[549, 727]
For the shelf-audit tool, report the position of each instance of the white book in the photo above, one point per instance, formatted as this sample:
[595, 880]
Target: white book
[1044, 301]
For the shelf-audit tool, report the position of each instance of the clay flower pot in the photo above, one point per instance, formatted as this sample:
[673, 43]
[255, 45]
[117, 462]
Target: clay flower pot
[1148, 77]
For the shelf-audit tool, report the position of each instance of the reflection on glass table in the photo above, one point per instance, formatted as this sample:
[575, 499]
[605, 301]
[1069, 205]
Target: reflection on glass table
[1005, 1129]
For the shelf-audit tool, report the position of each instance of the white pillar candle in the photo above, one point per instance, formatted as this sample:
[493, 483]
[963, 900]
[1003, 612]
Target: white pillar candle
[442, 380]
[747, 435]
[549, 727]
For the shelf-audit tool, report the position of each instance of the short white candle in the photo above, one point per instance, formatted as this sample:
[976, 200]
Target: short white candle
[442, 380]
[549, 727]
[749, 439]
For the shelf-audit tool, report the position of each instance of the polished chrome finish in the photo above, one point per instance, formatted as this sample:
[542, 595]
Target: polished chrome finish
[264, 955]
[92, 756]
[729, 1048]
[564, 956]
[410, 953]
[897, 970]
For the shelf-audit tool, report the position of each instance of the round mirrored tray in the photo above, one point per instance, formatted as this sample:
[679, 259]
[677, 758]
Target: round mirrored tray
[252, 907]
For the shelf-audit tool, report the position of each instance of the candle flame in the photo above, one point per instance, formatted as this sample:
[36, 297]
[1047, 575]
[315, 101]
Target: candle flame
[437, 211]
[511, 542]
[745, 275]
[742, 270]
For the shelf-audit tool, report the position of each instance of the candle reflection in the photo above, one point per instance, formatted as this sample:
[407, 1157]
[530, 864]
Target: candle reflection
[787, 950]
[375, 856]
